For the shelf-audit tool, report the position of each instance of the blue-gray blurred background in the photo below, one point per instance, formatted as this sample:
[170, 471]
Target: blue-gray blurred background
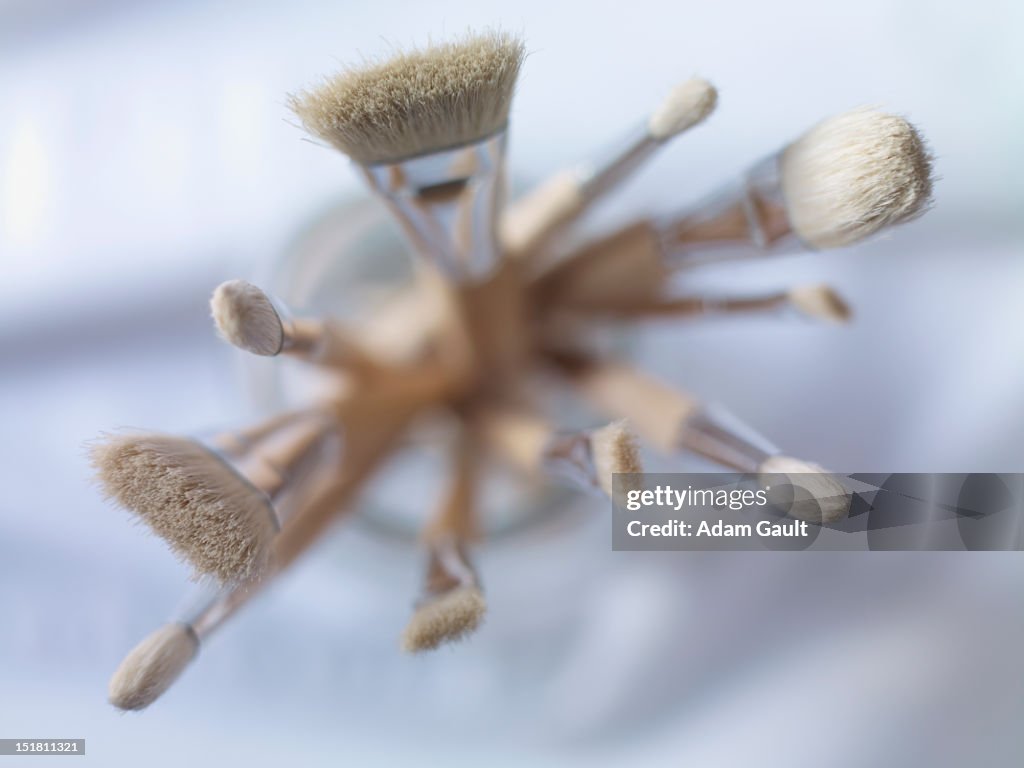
[146, 154]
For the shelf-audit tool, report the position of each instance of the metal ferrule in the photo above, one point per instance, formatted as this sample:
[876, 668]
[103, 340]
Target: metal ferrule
[448, 568]
[619, 161]
[762, 189]
[214, 603]
[756, 195]
[275, 481]
[448, 203]
[213, 606]
[570, 456]
[716, 434]
[264, 479]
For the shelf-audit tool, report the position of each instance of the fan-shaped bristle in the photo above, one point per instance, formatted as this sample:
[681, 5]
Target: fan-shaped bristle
[206, 512]
[416, 102]
[820, 302]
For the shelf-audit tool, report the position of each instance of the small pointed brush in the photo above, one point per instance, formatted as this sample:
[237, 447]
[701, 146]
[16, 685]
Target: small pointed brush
[538, 216]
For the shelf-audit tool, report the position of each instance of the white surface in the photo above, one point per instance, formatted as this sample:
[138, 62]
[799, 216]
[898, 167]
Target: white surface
[144, 156]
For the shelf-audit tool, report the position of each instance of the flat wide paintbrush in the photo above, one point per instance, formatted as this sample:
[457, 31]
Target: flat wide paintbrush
[251, 320]
[674, 421]
[452, 605]
[844, 180]
[427, 129]
[538, 216]
[218, 503]
[588, 459]
[374, 424]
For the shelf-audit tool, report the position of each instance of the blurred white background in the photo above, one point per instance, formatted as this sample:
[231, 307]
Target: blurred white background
[146, 154]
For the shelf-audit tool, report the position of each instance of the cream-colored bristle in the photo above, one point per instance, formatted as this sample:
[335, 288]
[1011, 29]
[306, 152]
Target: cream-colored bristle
[853, 174]
[820, 302]
[615, 451]
[207, 513]
[689, 103]
[152, 666]
[444, 619]
[829, 500]
[246, 317]
[416, 102]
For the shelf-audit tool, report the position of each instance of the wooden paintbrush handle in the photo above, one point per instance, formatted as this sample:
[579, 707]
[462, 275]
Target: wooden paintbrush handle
[623, 268]
[654, 409]
[529, 221]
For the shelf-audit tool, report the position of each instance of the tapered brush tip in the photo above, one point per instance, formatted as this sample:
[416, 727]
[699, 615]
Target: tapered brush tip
[823, 499]
[688, 104]
[820, 302]
[444, 619]
[151, 666]
[615, 451]
[416, 102]
[208, 514]
[854, 174]
[246, 317]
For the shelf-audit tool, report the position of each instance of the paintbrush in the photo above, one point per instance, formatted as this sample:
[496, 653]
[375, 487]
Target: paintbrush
[674, 421]
[374, 423]
[813, 303]
[586, 459]
[452, 604]
[249, 319]
[847, 178]
[534, 219]
[427, 130]
[217, 502]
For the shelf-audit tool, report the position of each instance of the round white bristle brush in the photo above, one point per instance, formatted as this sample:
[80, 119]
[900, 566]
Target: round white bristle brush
[844, 180]
[537, 216]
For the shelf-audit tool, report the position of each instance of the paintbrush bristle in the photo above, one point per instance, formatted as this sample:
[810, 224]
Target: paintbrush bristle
[443, 619]
[828, 500]
[416, 102]
[689, 103]
[853, 174]
[615, 451]
[246, 317]
[820, 302]
[207, 513]
[151, 666]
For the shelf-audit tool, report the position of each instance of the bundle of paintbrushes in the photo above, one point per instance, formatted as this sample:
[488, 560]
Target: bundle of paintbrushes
[500, 305]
